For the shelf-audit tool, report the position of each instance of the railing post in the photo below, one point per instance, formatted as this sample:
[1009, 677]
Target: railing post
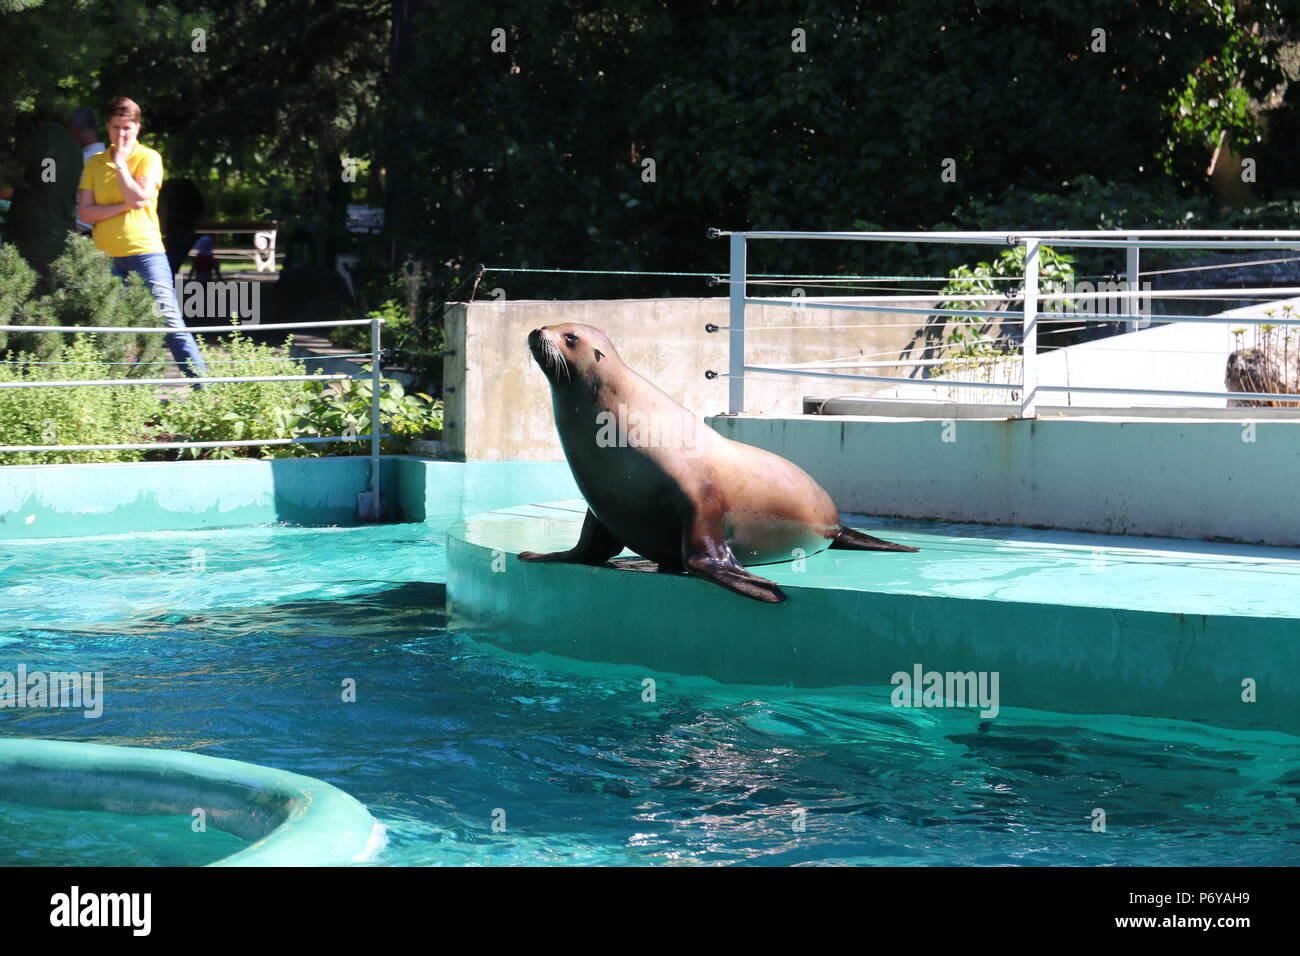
[1133, 281]
[376, 510]
[1029, 346]
[736, 321]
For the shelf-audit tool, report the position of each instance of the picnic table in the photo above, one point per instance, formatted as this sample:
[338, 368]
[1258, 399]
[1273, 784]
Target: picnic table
[263, 233]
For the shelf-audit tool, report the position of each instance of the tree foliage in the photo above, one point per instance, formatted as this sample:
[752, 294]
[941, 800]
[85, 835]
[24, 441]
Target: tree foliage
[519, 132]
[533, 155]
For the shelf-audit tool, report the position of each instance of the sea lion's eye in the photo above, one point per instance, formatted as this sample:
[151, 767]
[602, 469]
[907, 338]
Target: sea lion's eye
[570, 338]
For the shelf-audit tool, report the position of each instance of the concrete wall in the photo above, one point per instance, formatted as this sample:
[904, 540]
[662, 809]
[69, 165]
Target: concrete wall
[498, 404]
[1234, 481]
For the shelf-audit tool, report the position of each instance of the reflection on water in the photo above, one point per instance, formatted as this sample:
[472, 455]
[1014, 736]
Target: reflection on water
[245, 654]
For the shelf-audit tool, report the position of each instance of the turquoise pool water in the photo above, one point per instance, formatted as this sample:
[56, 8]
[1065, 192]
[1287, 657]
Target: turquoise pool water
[237, 643]
[33, 836]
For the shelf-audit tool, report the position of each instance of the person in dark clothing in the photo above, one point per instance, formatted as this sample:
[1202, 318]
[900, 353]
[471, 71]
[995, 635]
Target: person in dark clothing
[44, 205]
[180, 206]
[205, 267]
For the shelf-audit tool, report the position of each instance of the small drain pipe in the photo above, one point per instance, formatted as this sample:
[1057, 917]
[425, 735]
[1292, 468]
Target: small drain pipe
[370, 503]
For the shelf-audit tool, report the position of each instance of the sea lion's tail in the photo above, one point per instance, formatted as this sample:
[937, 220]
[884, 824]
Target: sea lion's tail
[850, 540]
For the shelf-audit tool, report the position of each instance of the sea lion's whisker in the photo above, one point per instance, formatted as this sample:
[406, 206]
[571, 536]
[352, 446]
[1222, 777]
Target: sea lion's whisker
[560, 361]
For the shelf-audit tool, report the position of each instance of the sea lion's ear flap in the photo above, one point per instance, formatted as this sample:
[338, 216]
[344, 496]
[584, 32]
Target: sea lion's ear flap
[599, 355]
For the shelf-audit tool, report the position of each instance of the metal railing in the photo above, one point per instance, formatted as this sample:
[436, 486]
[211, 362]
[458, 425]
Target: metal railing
[372, 509]
[1132, 241]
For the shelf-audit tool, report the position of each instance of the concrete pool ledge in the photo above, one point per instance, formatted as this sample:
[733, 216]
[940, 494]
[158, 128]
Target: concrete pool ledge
[1069, 622]
[290, 819]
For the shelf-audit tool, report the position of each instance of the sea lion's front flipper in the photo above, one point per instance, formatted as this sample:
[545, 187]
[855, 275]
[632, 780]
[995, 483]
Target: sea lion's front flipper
[742, 582]
[706, 554]
[596, 545]
[850, 540]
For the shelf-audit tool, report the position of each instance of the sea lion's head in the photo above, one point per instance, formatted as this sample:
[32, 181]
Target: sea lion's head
[572, 353]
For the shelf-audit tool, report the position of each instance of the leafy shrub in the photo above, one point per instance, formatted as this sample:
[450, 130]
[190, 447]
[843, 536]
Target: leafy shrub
[967, 336]
[344, 408]
[83, 292]
[239, 411]
[88, 415]
[242, 411]
[17, 307]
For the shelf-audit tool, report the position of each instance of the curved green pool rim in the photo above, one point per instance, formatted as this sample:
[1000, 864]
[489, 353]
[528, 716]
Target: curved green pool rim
[290, 819]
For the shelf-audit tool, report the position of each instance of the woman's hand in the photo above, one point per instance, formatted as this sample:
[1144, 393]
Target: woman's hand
[124, 144]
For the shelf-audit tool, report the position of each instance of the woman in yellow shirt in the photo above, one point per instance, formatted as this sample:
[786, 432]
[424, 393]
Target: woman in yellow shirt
[118, 194]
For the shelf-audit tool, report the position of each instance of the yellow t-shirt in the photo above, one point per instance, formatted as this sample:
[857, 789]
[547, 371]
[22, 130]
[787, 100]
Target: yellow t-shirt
[136, 230]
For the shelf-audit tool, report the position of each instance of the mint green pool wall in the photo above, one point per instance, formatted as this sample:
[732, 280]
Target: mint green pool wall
[41, 501]
[289, 819]
[1140, 638]
[1181, 478]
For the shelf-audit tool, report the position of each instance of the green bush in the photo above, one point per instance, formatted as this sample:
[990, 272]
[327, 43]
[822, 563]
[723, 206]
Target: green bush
[344, 409]
[240, 411]
[967, 336]
[88, 415]
[19, 307]
[83, 291]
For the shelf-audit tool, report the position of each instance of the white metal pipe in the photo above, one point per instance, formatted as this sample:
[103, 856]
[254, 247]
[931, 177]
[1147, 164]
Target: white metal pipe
[736, 321]
[1133, 275]
[883, 363]
[1029, 343]
[146, 446]
[882, 378]
[933, 297]
[1138, 293]
[1281, 397]
[1181, 244]
[205, 380]
[885, 308]
[923, 236]
[197, 328]
[1006, 316]
[999, 239]
[375, 509]
[1133, 292]
[1170, 319]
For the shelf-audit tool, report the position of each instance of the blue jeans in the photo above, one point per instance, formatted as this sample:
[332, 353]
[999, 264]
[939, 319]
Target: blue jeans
[153, 268]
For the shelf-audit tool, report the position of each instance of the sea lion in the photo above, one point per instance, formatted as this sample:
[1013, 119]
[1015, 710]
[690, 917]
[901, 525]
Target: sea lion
[660, 482]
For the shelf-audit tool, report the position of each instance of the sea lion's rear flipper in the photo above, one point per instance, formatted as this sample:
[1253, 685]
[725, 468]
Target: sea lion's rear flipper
[850, 540]
[706, 554]
[596, 545]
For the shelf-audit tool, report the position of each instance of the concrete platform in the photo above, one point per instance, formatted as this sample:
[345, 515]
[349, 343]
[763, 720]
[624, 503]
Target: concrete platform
[1071, 622]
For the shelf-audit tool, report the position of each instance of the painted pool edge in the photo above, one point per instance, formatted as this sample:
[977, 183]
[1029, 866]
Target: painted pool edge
[322, 825]
[1053, 657]
[47, 501]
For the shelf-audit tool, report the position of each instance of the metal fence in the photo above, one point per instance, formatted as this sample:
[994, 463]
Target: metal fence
[371, 508]
[1028, 388]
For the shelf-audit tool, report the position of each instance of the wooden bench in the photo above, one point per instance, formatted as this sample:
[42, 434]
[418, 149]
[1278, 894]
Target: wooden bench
[263, 233]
